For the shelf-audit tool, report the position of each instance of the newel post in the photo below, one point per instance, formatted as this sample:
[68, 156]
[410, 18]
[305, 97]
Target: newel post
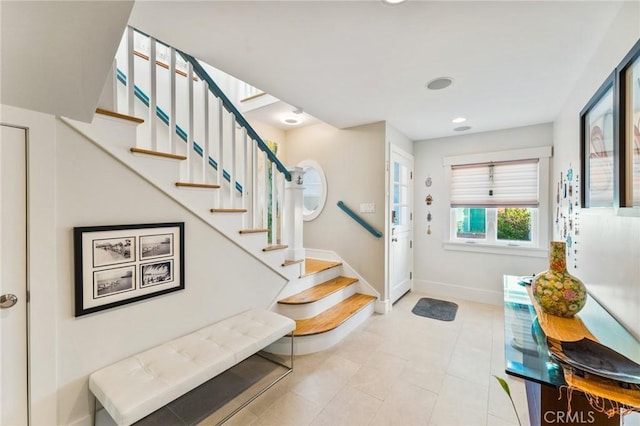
[293, 214]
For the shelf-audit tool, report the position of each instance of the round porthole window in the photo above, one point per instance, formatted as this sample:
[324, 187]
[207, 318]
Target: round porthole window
[314, 194]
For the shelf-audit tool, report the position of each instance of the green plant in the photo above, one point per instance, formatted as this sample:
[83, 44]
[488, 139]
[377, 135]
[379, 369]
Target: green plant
[505, 387]
[514, 224]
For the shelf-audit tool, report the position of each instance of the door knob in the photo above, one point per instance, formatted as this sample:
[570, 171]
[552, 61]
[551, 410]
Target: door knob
[8, 300]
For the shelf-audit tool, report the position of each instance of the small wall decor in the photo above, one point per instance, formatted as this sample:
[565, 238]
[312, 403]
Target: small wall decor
[567, 213]
[116, 265]
[428, 181]
[429, 199]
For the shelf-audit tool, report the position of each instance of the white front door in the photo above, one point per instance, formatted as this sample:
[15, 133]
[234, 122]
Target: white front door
[13, 277]
[401, 216]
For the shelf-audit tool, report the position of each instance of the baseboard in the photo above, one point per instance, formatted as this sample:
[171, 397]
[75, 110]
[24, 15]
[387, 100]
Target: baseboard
[382, 307]
[458, 292]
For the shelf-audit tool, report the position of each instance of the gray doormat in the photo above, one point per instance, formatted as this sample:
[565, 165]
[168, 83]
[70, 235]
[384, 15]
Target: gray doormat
[436, 309]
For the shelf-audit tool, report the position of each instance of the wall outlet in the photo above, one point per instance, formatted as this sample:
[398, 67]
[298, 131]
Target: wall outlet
[367, 207]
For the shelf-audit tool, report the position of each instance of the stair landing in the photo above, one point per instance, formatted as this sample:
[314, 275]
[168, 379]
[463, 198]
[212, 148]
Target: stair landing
[333, 317]
[313, 266]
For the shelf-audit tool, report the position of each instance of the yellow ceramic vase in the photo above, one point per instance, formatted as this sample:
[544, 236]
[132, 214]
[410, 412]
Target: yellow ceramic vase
[556, 290]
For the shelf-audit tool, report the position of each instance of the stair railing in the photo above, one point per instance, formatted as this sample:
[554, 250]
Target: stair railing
[203, 124]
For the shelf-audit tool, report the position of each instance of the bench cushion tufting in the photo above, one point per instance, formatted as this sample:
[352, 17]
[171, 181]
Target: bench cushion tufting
[139, 385]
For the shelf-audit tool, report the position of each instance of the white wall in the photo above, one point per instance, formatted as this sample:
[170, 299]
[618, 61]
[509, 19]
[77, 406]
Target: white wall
[609, 243]
[272, 133]
[220, 278]
[353, 161]
[394, 137]
[466, 275]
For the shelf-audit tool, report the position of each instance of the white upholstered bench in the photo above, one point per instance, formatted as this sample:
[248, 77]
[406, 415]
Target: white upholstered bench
[136, 386]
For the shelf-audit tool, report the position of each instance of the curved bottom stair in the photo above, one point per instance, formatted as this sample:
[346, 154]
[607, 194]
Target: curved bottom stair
[324, 313]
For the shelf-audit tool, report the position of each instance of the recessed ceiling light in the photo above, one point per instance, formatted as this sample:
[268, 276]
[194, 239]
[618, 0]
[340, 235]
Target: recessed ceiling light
[462, 128]
[393, 1]
[291, 120]
[439, 83]
[459, 120]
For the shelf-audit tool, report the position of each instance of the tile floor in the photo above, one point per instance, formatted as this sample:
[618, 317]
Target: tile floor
[399, 369]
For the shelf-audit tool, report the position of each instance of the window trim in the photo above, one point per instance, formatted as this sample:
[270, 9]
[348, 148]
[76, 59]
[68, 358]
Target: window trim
[541, 225]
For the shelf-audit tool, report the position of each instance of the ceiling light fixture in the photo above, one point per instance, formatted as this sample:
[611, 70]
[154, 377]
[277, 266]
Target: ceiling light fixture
[439, 83]
[462, 128]
[458, 120]
[291, 120]
[393, 1]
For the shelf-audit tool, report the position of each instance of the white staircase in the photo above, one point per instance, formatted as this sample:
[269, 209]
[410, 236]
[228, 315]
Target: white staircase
[219, 169]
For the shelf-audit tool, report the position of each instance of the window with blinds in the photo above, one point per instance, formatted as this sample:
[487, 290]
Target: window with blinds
[495, 202]
[501, 184]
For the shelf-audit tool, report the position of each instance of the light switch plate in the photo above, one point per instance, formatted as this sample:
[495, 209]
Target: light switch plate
[367, 207]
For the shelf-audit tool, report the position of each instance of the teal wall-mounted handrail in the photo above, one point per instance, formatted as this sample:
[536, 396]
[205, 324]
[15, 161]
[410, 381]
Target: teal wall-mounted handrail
[358, 219]
[213, 87]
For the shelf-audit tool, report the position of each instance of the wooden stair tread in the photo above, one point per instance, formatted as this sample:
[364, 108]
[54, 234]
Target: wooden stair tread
[312, 266]
[274, 247]
[118, 115]
[319, 291]
[253, 231]
[333, 317]
[158, 153]
[292, 262]
[228, 210]
[197, 185]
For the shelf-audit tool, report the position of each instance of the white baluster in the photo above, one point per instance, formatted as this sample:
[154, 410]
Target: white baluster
[205, 146]
[190, 135]
[232, 169]
[245, 172]
[172, 116]
[254, 183]
[281, 203]
[274, 204]
[220, 151]
[265, 186]
[130, 72]
[153, 126]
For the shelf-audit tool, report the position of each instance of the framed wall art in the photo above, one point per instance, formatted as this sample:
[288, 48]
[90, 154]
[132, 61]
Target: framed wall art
[116, 265]
[599, 149]
[629, 89]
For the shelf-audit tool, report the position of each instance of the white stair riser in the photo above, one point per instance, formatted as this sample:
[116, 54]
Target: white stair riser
[319, 342]
[309, 281]
[308, 310]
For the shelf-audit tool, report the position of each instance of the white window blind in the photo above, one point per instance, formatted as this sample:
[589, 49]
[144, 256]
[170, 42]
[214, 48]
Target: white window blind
[504, 184]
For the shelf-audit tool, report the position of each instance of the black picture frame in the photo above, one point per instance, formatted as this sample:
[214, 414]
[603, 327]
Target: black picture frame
[600, 147]
[121, 264]
[629, 128]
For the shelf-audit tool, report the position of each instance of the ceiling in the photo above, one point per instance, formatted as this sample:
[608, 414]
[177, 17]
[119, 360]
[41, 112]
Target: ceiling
[349, 63]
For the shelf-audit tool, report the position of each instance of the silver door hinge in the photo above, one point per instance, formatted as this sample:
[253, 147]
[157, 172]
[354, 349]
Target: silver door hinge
[410, 275]
[410, 244]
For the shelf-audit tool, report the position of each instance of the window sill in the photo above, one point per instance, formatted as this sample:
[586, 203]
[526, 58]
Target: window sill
[495, 249]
